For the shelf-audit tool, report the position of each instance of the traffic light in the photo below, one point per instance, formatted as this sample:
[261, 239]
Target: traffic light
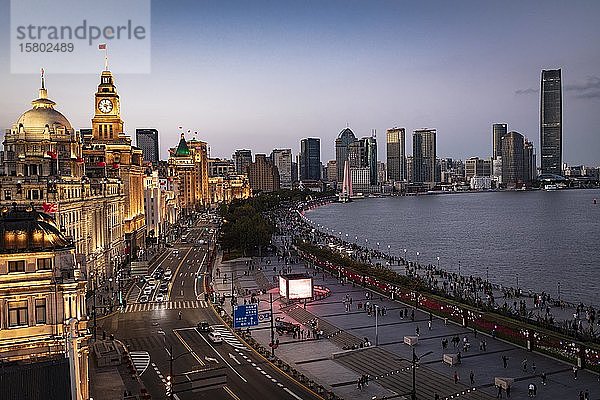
[168, 387]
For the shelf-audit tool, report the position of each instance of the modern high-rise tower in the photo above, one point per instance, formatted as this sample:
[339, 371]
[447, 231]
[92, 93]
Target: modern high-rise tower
[396, 154]
[512, 159]
[551, 122]
[498, 132]
[344, 139]
[242, 158]
[310, 159]
[424, 156]
[147, 140]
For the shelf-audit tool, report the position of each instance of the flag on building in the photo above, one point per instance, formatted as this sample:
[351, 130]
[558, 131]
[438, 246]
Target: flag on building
[53, 155]
[50, 208]
[102, 46]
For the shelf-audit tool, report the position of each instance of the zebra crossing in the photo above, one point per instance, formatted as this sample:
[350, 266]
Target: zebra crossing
[141, 360]
[228, 337]
[167, 305]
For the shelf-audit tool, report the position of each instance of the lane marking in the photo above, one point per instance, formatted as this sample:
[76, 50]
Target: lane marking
[292, 393]
[187, 346]
[177, 271]
[223, 358]
[230, 392]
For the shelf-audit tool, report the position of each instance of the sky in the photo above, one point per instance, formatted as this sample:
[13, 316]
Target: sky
[265, 74]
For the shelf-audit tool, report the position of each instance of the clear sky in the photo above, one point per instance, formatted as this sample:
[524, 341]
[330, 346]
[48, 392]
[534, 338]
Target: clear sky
[264, 74]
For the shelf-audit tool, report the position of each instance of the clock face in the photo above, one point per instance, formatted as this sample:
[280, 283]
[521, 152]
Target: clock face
[105, 105]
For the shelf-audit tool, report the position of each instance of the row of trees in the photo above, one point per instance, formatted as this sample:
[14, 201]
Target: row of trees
[245, 229]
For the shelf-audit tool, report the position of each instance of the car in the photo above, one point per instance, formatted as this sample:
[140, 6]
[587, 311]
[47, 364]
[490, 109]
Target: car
[147, 290]
[160, 297]
[175, 251]
[203, 326]
[215, 337]
[144, 299]
[167, 274]
[164, 287]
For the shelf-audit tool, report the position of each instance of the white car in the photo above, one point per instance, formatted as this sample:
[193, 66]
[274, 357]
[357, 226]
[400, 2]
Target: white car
[147, 290]
[160, 297]
[215, 337]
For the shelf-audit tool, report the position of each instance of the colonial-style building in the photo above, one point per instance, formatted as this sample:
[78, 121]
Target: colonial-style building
[42, 294]
[44, 165]
[188, 165]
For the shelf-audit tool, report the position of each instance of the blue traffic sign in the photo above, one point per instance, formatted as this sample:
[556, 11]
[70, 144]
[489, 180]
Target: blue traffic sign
[245, 315]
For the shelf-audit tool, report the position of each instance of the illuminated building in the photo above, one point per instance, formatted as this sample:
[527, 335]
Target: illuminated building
[188, 165]
[224, 189]
[44, 164]
[109, 155]
[42, 295]
[263, 175]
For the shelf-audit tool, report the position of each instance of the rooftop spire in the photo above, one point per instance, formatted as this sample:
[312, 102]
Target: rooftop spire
[43, 91]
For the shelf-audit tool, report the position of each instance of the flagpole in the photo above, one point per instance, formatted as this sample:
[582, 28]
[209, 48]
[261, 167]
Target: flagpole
[105, 57]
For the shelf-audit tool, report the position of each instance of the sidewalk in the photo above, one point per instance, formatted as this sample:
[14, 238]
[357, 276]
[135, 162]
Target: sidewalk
[388, 362]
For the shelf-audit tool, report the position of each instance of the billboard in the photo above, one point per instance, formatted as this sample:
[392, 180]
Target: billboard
[297, 286]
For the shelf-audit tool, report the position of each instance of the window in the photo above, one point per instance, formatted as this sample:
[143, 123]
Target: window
[17, 313]
[7, 195]
[16, 266]
[40, 311]
[44, 263]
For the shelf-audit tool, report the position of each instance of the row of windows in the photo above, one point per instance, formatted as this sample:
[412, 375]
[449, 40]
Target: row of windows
[18, 313]
[106, 131]
[19, 265]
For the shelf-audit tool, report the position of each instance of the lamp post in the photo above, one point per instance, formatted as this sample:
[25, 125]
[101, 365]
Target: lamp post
[415, 360]
[405, 260]
[487, 274]
[376, 325]
[459, 269]
[417, 258]
[438, 262]
[389, 251]
[558, 285]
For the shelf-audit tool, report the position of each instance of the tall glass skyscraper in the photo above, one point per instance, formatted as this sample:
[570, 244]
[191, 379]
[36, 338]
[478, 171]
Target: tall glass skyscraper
[147, 140]
[551, 122]
[344, 139]
[396, 154]
[424, 156]
[498, 132]
[310, 159]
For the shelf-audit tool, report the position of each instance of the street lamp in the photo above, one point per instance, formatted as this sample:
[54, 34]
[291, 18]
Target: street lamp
[459, 269]
[417, 258]
[438, 264]
[558, 292]
[415, 360]
[376, 325]
[389, 250]
[405, 260]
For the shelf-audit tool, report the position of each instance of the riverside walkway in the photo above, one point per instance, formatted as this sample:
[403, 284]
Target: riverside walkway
[388, 364]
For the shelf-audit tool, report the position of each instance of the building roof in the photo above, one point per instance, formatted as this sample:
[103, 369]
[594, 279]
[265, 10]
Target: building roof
[182, 148]
[41, 115]
[27, 230]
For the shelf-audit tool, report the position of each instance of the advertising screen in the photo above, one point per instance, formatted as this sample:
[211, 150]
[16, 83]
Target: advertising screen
[282, 286]
[300, 288]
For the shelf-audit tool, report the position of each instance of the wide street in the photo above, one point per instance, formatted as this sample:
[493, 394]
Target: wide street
[152, 330]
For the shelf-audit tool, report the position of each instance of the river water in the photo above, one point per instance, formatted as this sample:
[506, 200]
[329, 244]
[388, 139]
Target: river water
[540, 240]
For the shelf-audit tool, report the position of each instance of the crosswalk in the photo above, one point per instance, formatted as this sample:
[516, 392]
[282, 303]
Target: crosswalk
[167, 305]
[228, 337]
[141, 360]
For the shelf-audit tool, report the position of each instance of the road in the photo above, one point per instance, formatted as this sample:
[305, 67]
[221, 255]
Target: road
[160, 328]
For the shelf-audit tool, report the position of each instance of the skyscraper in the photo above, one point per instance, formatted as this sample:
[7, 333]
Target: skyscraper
[498, 132]
[370, 144]
[512, 159]
[396, 154]
[147, 140]
[242, 158]
[263, 175]
[310, 159]
[424, 156]
[344, 139]
[282, 159]
[551, 122]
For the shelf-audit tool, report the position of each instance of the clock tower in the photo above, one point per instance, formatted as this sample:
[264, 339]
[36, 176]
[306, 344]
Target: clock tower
[107, 125]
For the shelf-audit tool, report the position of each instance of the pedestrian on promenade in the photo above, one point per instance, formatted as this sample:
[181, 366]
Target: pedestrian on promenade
[499, 395]
[179, 315]
[508, 391]
[505, 361]
[417, 330]
[412, 315]
[586, 395]
[472, 378]
[544, 378]
[533, 367]
[524, 365]
[429, 325]
[455, 377]
[574, 372]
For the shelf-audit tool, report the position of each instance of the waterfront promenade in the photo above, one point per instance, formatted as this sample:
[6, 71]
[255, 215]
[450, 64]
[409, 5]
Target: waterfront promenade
[388, 364]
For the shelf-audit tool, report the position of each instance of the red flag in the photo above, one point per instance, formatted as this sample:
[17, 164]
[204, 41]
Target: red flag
[116, 166]
[52, 154]
[49, 208]
[102, 46]
[80, 160]
[101, 164]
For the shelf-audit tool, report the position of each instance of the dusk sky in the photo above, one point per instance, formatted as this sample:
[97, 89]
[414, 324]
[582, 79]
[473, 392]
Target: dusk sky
[265, 74]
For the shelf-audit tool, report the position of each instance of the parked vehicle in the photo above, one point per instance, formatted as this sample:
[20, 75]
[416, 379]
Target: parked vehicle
[286, 327]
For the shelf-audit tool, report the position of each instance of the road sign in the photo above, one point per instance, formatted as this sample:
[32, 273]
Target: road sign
[245, 315]
[265, 316]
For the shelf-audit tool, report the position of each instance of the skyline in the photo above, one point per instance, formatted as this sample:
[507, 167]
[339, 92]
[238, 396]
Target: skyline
[282, 74]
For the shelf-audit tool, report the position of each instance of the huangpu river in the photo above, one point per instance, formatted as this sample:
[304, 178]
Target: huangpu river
[542, 240]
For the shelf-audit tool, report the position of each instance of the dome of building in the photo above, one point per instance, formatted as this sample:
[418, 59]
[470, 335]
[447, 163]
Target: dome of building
[26, 230]
[41, 115]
